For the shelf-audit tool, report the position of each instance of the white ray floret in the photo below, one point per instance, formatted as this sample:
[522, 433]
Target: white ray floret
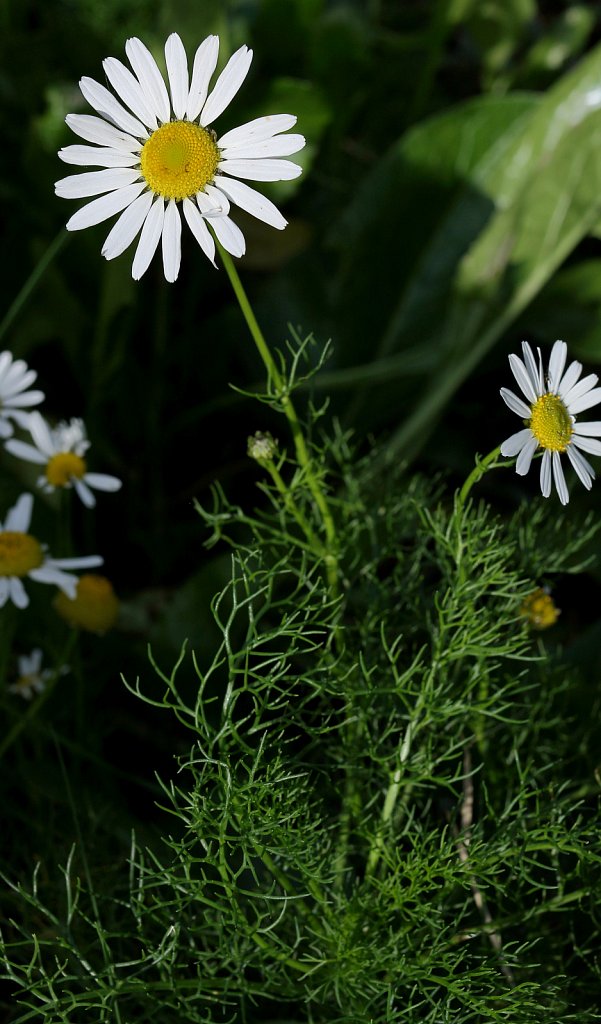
[15, 378]
[61, 451]
[549, 413]
[23, 556]
[159, 157]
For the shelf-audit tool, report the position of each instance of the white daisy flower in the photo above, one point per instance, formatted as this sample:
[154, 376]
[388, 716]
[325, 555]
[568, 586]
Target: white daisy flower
[15, 378]
[60, 450]
[22, 555]
[549, 416]
[31, 677]
[162, 152]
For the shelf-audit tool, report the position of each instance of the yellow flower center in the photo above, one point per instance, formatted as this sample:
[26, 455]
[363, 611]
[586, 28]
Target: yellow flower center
[179, 159]
[95, 606]
[19, 553]
[551, 423]
[540, 609]
[63, 467]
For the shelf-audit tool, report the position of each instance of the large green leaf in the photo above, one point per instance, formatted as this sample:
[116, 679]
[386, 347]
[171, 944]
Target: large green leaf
[546, 190]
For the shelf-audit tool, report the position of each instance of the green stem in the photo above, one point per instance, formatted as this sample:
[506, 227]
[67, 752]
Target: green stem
[291, 505]
[33, 280]
[281, 390]
[482, 466]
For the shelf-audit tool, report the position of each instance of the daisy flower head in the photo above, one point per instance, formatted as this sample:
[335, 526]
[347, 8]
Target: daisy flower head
[22, 555]
[549, 414]
[15, 378]
[160, 157]
[60, 450]
[31, 677]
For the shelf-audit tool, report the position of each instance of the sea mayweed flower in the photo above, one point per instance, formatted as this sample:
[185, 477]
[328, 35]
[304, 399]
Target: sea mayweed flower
[15, 378]
[549, 417]
[164, 153]
[60, 450]
[22, 555]
[31, 677]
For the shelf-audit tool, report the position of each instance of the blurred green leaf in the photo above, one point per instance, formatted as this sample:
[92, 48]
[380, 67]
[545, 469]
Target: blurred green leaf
[546, 188]
[570, 308]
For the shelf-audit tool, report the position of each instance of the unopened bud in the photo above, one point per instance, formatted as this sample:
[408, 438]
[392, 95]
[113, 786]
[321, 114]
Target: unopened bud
[262, 447]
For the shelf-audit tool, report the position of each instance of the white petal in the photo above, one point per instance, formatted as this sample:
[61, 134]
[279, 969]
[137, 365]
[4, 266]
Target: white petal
[172, 242]
[103, 482]
[86, 562]
[525, 457]
[583, 468]
[211, 207]
[95, 129]
[219, 201]
[545, 474]
[149, 77]
[199, 229]
[93, 183]
[592, 429]
[556, 364]
[105, 207]
[47, 573]
[25, 451]
[17, 592]
[534, 371]
[127, 227]
[90, 156]
[585, 402]
[229, 235]
[84, 493]
[514, 444]
[227, 85]
[281, 145]
[15, 381]
[19, 516]
[149, 239]
[40, 432]
[587, 444]
[128, 88]
[584, 385]
[105, 103]
[560, 482]
[516, 404]
[261, 128]
[261, 170]
[205, 62]
[177, 72]
[522, 377]
[263, 209]
[569, 379]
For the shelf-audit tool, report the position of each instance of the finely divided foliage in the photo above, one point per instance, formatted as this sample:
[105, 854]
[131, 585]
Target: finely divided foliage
[346, 841]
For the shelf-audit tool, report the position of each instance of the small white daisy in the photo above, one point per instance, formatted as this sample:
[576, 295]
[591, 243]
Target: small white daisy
[60, 450]
[15, 378]
[549, 415]
[31, 677]
[164, 153]
[22, 555]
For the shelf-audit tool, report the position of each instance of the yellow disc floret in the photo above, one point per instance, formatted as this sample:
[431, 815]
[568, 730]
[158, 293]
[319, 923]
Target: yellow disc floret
[63, 467]
[19, 553]
[95, 606]
[540, 609]
[551, 423]
[179, 159]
